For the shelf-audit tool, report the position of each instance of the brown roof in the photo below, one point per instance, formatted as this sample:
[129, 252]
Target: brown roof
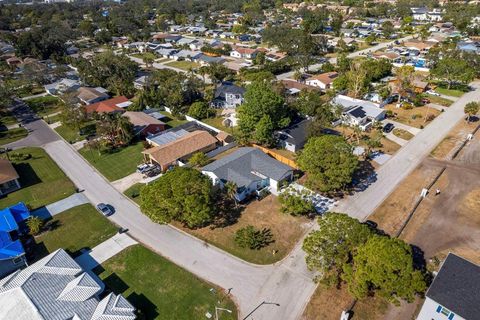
[7, 171]
[106, 106]
[85, 93]
[186, 145]
[138, 118]
[223, 136]
[292, 84]
[325, 78]
[418, 45]
[243, 50]
[387, 55]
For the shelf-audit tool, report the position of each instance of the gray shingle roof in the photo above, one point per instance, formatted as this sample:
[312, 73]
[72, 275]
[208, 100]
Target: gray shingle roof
[56, 288]
[457, 287]
[243, 166]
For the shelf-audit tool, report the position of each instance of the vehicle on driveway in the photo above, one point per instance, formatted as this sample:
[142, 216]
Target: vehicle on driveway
[104, 209]
[433, 93]
[388, 127]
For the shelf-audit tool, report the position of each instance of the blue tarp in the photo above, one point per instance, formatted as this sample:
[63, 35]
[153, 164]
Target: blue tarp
[9, 219]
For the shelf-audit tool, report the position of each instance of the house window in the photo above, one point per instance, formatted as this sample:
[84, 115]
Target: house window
[17, 260]
[445, 312]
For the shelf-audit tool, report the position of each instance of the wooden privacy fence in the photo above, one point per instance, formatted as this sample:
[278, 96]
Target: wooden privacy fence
[278, 157]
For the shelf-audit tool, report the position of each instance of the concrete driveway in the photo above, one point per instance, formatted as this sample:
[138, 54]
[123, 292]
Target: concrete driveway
[403, 126]
[55, 208]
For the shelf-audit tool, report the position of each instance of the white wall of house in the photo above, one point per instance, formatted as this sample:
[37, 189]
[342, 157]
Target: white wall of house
[235, 54]
[429, 312]
[317, 83]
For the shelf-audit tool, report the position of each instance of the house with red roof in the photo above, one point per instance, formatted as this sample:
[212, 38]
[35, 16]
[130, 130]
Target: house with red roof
[117, 104]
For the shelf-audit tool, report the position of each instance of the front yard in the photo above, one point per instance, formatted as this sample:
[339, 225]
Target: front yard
[184, 65]
[286, 230]
[161, 290]
[73, 135]
[403, 134]
[417, 117]
[74, 229]
[41, 180]
[117, 164]
[388, 146]
[8, 136]
[134, 192]
[44, 106]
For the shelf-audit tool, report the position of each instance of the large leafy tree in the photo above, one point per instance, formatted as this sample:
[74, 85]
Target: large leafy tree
[114, 129]
[329, 162]
[333, 244]
[453, 70]
[471, 109]
[182, 194]
[116, 72]
[384, 266]
[261, 102]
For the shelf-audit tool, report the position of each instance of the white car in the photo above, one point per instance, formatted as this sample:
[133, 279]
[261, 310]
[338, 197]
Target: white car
[433, 93]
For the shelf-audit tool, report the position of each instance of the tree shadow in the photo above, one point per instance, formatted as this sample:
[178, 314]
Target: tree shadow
[115, 284]
[28, 176]
[146, 309]
[228, 212]
[363, 177]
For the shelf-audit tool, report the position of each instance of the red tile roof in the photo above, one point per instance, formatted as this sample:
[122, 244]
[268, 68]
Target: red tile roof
[107, 106]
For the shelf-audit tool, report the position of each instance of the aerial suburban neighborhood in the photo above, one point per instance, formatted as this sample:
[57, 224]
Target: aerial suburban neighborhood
[267, 160]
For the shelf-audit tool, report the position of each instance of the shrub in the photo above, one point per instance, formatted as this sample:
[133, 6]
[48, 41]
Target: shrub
[34, 224]
[18, 156]
[295, 204]
[252, 238]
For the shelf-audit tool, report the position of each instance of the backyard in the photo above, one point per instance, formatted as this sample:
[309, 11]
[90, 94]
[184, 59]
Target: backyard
[41, 179]
[217, 123]
[115, 165]
[8, 136]
[286, 230]
[77, 228]
[159, 289]
[171, 121]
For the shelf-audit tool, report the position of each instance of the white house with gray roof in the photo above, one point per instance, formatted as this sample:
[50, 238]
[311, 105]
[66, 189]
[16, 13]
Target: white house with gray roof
[57, 288]
[251, 170]
[454, 293]
[356, 112]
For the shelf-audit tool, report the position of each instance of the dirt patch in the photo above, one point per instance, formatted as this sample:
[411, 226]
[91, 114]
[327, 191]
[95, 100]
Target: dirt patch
[286, 230]
[388, 146]
[328, 304]
[449, 144]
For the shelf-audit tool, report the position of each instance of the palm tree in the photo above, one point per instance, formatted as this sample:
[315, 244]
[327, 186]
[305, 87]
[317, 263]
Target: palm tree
[231, 190]
[123, 128]
[34, 224]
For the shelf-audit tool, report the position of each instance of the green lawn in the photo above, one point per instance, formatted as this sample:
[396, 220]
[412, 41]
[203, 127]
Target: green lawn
[217, 123]
[171, 121]
[134, 192]
[73, 135]
[159, 289]
[184, 65]
[44, 105]
[450, 92]
[118, 164]
[6, 118]
[74, 229]
[439, 100]
[12, 135]
[41, 179]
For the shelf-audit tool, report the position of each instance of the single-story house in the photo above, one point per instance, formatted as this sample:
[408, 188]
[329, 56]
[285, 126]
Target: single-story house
[323, 81]
[62, 86]
[92, 95]
[185, 55]
[166, 53]
[358, 112]
[57, 287]
[144, 124]
[167, 136]
[294, 87]
[117, 104]
[206, 60]
[294, 137]
[251, 170]
[12, 224]
[228, 96]
[229, 118]
[244, 53]
[180, 150]
[453, 294]
[8, 177]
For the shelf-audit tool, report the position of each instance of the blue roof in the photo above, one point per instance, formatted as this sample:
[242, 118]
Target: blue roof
[9, 219]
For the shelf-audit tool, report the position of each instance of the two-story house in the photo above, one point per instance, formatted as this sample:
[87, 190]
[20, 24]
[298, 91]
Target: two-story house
[228, 96]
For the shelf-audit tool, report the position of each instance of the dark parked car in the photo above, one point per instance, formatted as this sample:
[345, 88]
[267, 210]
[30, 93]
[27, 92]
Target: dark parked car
[104, 209]
[388, 127]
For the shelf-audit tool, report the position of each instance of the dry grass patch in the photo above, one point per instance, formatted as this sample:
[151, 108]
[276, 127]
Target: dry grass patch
[402, 134]
[388, 146]
[286, 230]
[454, 139]
[328, 304]
[417, 117]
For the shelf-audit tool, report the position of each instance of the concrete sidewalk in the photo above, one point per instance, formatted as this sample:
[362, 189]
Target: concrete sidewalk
[105, 251]
[60, 206]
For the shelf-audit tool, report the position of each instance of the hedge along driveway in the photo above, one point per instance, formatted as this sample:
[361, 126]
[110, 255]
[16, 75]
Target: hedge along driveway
[42, 181]
[118, 164]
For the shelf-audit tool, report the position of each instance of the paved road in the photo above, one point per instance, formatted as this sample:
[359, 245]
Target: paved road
[39, 132]
[315, 67]
[362, 204]
[287, 283]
